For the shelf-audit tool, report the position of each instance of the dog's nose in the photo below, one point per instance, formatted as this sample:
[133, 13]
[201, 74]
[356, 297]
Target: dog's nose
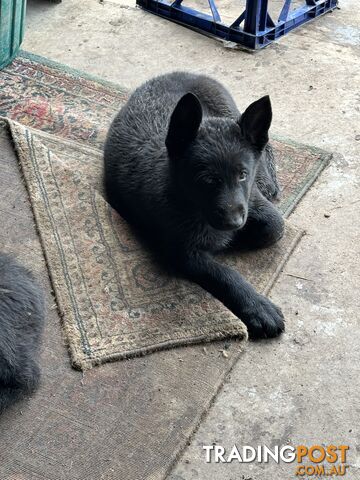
[238, 220]
[232, 219]
[235, 221]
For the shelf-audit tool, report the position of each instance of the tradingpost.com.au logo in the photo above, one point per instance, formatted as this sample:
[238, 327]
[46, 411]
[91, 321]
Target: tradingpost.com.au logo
[315, 460]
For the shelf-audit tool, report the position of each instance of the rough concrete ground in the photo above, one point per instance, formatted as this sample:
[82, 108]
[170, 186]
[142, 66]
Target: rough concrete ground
[304, 387]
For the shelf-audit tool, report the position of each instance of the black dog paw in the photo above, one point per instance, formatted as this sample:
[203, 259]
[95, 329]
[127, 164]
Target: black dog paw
[264, 319]
[269, 188]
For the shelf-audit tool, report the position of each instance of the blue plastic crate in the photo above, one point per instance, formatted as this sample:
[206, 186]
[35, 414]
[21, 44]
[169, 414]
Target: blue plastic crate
[254, 28]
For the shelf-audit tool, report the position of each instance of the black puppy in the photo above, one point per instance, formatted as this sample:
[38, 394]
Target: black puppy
[192, 174]
[21, 324]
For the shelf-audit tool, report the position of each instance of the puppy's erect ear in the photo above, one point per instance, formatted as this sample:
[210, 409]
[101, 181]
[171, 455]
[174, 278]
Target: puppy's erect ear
[184, 124]
[255, 122]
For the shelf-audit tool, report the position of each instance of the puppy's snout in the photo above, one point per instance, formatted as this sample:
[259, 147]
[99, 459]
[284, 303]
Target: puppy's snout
[239, 217]
[233, 217]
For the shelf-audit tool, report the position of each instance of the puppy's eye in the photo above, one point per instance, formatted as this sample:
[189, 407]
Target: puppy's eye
[242, 176]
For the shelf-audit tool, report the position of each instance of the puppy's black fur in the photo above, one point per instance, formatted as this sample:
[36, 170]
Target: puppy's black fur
[21, 325]
[195, 177]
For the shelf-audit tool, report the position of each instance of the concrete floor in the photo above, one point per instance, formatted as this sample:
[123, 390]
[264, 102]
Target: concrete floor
[303, 388]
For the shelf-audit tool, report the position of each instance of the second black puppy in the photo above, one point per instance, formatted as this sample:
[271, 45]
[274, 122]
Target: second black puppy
[192, 174]
[22, 315]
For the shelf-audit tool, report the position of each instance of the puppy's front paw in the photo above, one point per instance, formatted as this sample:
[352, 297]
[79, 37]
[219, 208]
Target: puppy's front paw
[263, 319]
